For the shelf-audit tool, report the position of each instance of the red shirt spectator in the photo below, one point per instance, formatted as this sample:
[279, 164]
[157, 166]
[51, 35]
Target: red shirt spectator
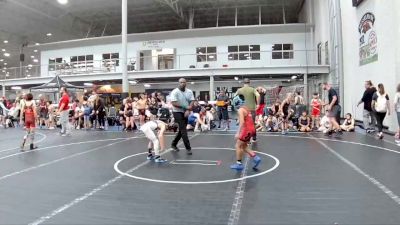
[65, 100]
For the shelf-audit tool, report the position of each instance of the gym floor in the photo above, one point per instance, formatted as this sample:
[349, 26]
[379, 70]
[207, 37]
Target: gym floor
[104, 178]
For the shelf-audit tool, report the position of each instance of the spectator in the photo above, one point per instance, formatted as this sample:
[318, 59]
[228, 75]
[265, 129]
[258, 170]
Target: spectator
[333, 108]
[325, 123]
[222, 109]
[251, 100]
[260, 110]
[3, 112]
[100, 111]
[304, 122]
[368, 114]
[43, 111]
[272, 123]
[51, 116]
[348, 124]
[381, 106]
[397, 108]
[78, 114]
[153, 107]
[141, 105]
[63, 111]
[316, 103]
[128, 113]
[87, 111]
[284, 110]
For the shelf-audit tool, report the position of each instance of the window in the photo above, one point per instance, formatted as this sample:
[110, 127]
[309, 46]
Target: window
[244, 52]
[82, 61]
[111, 57]
[319, 47]
[206, 54]
[282, 51]
[54, 63]
[327, 53]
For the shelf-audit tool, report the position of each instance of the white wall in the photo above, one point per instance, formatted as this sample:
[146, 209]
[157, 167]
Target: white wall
[386, 69]
[186, 50]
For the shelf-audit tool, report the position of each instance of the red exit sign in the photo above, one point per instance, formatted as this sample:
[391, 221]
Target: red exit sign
[357, 2]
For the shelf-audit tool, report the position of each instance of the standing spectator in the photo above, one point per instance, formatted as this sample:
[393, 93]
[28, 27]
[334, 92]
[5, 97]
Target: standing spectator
[43, 111]
[87, 110]
[100, 111]
[222, 104]
[381, 105]
[284, 111]
[316, 111]
[128, 114]
[368, 113]
[51, 116]
[251, 100]
[3, 112]
[333, 108]
[63, 111]
[182, 102]
[260, 110]
[141, 105]
[397, 108]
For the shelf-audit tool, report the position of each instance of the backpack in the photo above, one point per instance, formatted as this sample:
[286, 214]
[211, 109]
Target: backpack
[164, 114]
[381, 103]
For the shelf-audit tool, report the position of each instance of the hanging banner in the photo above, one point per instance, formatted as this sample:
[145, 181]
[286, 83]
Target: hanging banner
[368, 39]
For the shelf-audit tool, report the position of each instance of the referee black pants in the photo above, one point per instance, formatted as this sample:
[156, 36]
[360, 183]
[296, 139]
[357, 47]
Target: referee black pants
[182, 133]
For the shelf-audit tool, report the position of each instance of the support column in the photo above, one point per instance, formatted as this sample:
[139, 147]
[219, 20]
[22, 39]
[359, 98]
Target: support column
[3, 88]
[212, 91]
[306, 95]
[124, 50]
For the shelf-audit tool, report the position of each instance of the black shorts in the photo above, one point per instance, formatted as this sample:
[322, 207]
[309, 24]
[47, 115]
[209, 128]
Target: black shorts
[335, 112]
[223, 113]
[142, 112]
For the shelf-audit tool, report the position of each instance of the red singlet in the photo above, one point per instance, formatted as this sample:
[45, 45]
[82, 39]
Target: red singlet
[248, 129]
[29, 117]
[316, 107]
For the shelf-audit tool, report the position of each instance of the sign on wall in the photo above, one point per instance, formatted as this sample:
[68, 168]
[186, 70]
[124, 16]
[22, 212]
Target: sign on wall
[368, 39]
[153, 44]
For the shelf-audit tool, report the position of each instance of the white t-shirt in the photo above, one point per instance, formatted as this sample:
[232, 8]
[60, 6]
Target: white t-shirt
[397, 102]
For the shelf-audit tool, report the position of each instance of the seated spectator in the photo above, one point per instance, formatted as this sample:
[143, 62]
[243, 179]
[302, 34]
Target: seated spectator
[272, 123]
[260, 123]
[12, 116]
[78, 115]
[325, 123]
[348, 124]
[304, 122]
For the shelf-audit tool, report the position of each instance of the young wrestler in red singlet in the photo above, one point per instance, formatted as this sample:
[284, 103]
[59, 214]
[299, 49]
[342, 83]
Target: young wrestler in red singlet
[245, 132]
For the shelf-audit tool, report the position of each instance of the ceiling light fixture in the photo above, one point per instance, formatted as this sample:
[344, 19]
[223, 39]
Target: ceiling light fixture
[1, 60]
[88, 84]
[35, 60]
[32, 56]
[147, 85]
[16, 88]
[62, 2]
[35, 50]
[5, 41]
[37, 44]
[6, 54]
[30, 65]
[294, 77]
[236, 78]
[3, 50]
[5, 64]
[49, 34]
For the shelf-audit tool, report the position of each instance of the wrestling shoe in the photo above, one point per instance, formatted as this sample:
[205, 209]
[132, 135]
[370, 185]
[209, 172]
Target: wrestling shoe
[237, 166]
[175, 148]
[256, 161]
[160, 160]
[150, 157]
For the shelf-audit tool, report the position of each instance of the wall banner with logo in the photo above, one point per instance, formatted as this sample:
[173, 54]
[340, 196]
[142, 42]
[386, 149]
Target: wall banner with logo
[153, 44]
[368, 39]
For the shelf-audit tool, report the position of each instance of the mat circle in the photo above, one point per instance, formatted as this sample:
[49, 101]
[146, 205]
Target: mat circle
[277, 162]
